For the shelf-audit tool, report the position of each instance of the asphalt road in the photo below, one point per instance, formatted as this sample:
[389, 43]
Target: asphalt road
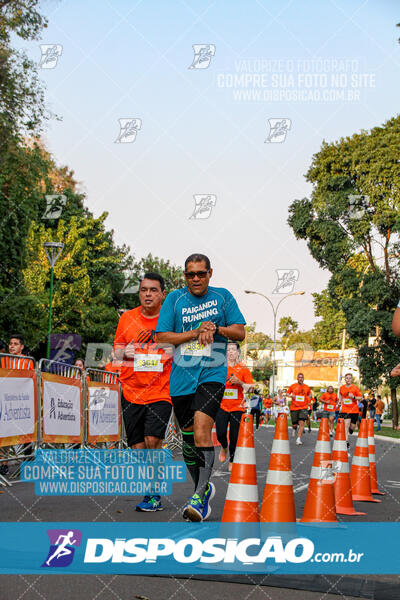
[19, 503]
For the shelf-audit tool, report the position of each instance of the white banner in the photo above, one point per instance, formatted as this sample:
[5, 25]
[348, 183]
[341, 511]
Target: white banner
[17, 406]
[61, 409]
[103, 411]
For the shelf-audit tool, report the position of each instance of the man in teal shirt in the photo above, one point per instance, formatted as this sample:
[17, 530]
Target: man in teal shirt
[198, 320]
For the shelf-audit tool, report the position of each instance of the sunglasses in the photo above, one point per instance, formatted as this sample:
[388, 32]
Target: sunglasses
[193, 274]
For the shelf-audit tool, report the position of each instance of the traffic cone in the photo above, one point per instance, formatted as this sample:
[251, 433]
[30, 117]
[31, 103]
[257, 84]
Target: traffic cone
[320, 500]
[359, 472]
[340, 464]
[241, 503]
[278, 500]
[372, 461]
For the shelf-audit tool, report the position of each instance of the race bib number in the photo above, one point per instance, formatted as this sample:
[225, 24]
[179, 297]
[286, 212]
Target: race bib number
[347, 401]
[231, 394]
[148, 362]
[300, 399]
[195, 349]
[329, 407]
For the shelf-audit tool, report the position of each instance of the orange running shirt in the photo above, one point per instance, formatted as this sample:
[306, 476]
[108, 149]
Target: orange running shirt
[350, 405]
[233, 396]
[330, 400]
[301, 392]
[112, 368]
[9, 362]
[144, 379]
[267, 402]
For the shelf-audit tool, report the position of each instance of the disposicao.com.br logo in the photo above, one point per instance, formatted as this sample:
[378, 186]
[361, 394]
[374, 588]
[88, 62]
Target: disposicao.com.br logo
[249, 551]
[62, 547]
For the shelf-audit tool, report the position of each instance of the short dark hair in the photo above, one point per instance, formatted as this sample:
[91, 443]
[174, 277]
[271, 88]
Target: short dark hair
[198, 258]
[3, 345]
[234, 342]
[17, 336]
[154, 277]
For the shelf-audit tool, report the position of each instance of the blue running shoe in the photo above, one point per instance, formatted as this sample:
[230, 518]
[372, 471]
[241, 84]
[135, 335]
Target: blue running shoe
[150, 504]
[193, 510]
[209, 495]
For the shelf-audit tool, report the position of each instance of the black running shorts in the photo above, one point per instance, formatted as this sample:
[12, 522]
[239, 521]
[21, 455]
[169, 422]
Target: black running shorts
[142, 420]
[298, 415]
[352, 416]
[207, 399]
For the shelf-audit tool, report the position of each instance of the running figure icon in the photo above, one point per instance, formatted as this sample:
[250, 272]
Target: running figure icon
[62, 549]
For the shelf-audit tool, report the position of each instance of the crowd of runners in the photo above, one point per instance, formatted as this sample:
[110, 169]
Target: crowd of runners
[182, 352]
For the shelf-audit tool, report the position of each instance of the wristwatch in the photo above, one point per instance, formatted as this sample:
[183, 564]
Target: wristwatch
[216, 332]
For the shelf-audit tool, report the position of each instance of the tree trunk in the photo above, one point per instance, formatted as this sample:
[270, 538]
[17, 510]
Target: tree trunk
[395, 412]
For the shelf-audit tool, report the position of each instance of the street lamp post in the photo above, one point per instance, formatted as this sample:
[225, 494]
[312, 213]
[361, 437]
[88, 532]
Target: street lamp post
[275, 311]
[53, 251]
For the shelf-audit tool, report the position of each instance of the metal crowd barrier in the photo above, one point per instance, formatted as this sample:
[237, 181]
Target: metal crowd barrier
[60, 369]
[108, 378]
[11, 456]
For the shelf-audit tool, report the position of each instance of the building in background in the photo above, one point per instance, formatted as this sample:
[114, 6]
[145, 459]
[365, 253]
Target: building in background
[320, 368]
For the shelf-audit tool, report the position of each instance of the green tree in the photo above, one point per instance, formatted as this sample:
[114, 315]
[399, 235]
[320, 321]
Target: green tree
[329, 330]
[21, 93]
[287, 326]
[88, 280]
[172, 274]
[352, 224]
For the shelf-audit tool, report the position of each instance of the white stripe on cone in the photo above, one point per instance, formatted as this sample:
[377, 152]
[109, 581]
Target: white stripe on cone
[360, 461]
[340, 446]
[322, 473]
[280, 447]
[245, 456]
[323, 447]
[242, 492]
[279, 477]
[340, 467]
[362, 443]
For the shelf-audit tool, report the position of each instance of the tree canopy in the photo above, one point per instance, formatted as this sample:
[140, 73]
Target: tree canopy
[351, 224]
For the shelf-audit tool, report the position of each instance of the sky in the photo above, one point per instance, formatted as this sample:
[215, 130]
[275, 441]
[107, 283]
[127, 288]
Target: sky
[270, 80]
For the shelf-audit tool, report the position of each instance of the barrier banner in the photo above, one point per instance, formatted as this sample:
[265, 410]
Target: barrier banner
[17, 407]
[104, 412]
[199, 548]
[62, 409]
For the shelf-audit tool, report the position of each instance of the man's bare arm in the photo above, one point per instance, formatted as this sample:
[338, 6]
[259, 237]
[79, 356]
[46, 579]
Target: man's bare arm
[171, 337]
[233, 332]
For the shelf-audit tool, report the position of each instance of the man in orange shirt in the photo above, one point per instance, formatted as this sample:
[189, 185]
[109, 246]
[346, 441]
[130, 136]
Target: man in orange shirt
[380, 407]
[267, 404]
[16, 346]
[350, 395]
[144, 374]
[232, 407]
[300, 395]
[330, 400]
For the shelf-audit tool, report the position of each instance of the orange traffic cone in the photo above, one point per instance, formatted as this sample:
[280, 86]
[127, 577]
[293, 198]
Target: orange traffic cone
[372, 461]
[359, 472]
[241, 503]
[320, 500]
[342, 485]
[278, 500]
